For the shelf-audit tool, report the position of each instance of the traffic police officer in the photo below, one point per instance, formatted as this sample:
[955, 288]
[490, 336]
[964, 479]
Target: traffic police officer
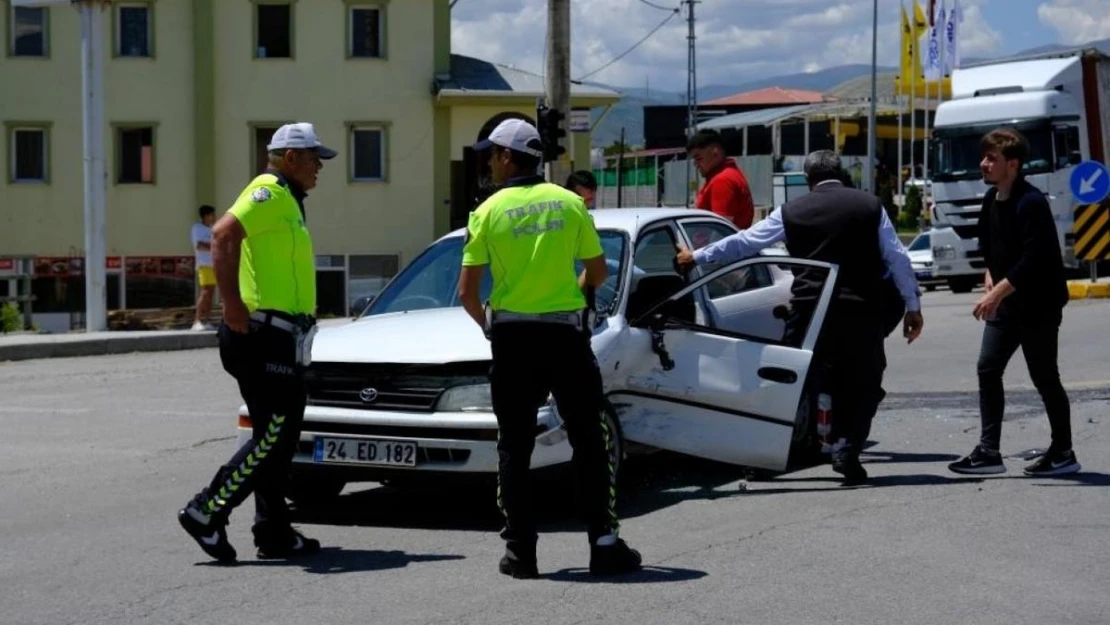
[265, 269]
[530, 233]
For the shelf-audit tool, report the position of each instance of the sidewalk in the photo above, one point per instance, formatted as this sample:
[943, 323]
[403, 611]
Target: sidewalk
[27, 345]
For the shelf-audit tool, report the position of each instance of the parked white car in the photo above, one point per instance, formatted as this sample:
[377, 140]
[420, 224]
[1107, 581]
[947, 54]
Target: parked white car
[920, 251]
[695, 365]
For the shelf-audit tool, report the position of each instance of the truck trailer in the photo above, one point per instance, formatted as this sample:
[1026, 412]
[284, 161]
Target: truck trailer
[1059, 100]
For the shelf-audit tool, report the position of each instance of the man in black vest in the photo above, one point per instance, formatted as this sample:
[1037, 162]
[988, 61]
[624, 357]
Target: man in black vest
[849, 228]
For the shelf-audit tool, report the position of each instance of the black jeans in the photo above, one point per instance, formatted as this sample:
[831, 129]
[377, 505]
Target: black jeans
[263, 362]
[849, 361]
[1039, 344]
[531, 360]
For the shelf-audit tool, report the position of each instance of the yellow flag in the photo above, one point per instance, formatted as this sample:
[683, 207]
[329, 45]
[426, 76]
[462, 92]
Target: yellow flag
[905, 80]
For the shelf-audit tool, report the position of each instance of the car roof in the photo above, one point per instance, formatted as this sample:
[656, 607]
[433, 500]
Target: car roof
[632, 219]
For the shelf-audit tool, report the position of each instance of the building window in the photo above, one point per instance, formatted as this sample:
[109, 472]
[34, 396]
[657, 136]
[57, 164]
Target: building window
[367, 32]
[133, 30]
[28, 31]
[29, 158]
[367, 153]
[262, 136]
[368, 276]
[273, 31]
[135, 146]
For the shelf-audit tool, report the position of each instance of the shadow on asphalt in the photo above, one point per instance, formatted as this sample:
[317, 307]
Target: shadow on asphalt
[648, 575]
[331, 560]
[648, 484]
[1078, 479]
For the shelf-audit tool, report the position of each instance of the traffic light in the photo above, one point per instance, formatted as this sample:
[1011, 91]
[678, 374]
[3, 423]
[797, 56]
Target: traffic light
[551, 132]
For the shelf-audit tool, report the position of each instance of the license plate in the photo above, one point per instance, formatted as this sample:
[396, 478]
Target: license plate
[924, 275]
[331, 450]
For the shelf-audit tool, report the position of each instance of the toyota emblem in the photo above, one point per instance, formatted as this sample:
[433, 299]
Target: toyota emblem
[368, 395]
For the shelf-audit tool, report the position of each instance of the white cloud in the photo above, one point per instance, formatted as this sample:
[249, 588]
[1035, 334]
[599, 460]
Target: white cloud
[765, 38]
[1077, 21]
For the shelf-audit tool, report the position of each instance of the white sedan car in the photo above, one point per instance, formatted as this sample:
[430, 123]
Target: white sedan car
[696, 364]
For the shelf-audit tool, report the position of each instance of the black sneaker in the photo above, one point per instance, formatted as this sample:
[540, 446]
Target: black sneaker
[980, 461]
[614, 559]
[517, 568]
[1053, 463]
[292, 544]
[211, 538]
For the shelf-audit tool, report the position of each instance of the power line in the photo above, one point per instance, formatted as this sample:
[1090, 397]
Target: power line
[620, 56]
[654, 6]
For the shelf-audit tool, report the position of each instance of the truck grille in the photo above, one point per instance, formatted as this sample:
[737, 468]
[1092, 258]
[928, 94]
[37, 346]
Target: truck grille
[405, 387]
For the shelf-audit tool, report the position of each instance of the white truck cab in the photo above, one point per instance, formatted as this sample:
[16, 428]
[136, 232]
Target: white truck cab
[1056, 101]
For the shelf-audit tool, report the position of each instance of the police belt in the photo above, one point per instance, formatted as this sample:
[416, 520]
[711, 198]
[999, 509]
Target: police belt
[283, 321]
[573, 319]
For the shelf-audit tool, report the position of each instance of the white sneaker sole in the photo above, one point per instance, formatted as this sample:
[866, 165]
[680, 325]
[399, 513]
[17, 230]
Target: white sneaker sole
[993, 469]
[1065, 470]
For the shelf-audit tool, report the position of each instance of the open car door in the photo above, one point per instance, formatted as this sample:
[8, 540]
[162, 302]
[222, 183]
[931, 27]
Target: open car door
[711, 390]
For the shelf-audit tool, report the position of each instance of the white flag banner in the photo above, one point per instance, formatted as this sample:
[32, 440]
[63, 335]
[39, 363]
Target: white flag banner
[932, 67]
[952, 37]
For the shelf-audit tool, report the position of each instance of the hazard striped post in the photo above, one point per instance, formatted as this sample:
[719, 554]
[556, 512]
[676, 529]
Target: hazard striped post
[1092, 234]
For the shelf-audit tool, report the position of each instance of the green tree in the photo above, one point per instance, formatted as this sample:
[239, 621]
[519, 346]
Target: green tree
[911, 209]
[616, 148]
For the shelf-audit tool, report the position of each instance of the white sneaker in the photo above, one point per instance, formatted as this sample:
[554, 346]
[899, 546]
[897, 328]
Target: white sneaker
[202, 327]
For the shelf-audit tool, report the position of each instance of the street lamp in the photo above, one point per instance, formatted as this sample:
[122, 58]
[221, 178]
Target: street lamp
[872, 132]
[96, 173]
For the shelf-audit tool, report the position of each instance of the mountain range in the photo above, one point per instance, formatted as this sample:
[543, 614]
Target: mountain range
[629, 112]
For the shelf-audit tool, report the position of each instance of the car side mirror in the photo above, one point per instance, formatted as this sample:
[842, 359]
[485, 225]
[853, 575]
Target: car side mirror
[361, 304]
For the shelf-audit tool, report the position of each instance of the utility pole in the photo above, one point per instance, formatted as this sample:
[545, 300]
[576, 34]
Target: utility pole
[558, 80]
[620, 173]
[691, 84]
[96, 173]
[872, 130]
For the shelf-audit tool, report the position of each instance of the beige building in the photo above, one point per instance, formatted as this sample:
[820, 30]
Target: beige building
[194, 88]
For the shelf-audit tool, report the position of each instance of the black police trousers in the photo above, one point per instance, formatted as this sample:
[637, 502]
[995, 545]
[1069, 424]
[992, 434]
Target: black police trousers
[263, 362]
[849, 361]
[531, 360]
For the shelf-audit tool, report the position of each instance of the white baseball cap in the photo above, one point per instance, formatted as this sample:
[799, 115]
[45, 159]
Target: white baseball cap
[516, 135]
[299, 136]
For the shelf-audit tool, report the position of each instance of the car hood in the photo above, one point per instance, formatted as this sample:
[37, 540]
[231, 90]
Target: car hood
[420, 337]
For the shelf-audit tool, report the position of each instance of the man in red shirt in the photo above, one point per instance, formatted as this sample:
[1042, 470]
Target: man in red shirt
[726, 191]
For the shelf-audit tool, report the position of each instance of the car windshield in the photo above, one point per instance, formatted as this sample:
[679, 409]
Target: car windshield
[956, 154]
[431, 280]
[919, 244]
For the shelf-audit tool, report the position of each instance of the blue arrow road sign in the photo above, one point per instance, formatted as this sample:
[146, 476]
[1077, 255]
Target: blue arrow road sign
[1090, 182]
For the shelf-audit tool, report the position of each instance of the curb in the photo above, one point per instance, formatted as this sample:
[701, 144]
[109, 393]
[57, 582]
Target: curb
[1085, 289]
[101, 346]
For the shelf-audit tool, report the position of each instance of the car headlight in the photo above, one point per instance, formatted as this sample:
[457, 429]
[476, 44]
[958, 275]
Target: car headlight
[945, 252]
[469, 398]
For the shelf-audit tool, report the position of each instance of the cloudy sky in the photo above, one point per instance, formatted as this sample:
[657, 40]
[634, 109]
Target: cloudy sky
[742, 40]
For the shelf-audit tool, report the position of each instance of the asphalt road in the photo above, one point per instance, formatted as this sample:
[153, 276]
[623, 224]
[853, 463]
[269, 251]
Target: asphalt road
[99, 453]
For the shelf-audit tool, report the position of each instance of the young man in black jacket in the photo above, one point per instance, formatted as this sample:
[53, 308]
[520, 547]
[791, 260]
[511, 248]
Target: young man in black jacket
[1023, 307]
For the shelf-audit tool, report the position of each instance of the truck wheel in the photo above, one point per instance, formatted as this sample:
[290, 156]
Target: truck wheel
[961, 285]
[308, 491]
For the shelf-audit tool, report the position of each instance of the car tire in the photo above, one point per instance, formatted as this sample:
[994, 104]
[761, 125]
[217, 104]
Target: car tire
[930, 287]
[309, 491]
[805, 446]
